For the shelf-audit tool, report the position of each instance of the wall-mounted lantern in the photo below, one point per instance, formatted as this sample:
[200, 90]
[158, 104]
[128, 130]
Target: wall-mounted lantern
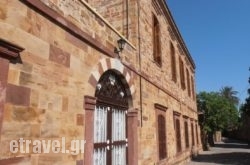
[121, 44]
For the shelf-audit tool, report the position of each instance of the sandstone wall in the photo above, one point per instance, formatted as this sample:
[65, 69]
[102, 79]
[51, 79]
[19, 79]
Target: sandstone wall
[45, 94]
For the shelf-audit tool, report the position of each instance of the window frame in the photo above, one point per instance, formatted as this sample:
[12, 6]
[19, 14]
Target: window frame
[186, 132]
[182, 74]
[160, 110]
[188, 82]
[197, 133]
[192, 132]
[156, 41]
[177, 128]
[193, 88]
[173, 62]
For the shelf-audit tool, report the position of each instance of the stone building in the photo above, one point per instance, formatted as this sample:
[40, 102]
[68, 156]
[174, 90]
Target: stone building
[64, 79]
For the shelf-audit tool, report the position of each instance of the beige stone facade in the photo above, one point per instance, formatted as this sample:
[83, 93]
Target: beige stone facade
[52, 56]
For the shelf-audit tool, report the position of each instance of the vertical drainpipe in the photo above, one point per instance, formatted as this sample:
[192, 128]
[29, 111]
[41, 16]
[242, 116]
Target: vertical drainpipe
[127, 18]
[139, 54]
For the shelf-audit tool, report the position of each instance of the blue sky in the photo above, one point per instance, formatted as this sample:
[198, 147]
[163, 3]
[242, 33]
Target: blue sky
[217, 34]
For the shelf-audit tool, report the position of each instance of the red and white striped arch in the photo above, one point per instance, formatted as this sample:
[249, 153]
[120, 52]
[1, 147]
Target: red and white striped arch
[114, 64]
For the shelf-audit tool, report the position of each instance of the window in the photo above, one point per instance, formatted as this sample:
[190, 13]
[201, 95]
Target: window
[177, 132]
[192, 131]
[10, 51]
[173, 62]
[188, 83]
[161, 131]
[156, 41]
[186, 133]
[182, 76]
[197, 137]
[193, 91]
[162, 137]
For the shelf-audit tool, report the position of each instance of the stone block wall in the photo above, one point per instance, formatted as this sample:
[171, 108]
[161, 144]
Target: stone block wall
[45, 93]
[121, 14]
[170, 93]
[66, 48]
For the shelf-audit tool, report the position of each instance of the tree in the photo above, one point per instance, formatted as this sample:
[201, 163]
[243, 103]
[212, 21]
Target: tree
[228, 93]
[245, 108]
[219, 114]
[244, 130]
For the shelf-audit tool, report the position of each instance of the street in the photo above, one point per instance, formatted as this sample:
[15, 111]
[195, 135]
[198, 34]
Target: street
[229, 152]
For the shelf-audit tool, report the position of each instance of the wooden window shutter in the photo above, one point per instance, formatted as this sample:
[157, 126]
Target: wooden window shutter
[182, 76]
[178, 135]
[173, 62]
[156, 41]
[197, 137]
[162, 137]
[193, 91]
[186, 134]
[192, 131]
[188, 83]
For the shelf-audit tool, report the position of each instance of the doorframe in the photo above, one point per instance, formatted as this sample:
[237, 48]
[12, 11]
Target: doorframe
[132, 134]
[106, 104]
[132, 115]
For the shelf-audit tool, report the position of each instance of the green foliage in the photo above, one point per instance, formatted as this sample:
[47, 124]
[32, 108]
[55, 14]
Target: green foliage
[220, 113]
[230, 94]
[245, 108]
[244, 127]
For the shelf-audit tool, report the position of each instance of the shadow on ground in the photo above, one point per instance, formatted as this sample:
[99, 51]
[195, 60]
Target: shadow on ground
[231, 143]
[234, 158]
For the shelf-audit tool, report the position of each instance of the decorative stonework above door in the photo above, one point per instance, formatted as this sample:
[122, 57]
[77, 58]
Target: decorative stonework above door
[115, 64]
[110, 88]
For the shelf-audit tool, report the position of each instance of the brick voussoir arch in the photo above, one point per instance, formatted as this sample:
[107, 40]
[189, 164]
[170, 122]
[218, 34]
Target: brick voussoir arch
[107, 64]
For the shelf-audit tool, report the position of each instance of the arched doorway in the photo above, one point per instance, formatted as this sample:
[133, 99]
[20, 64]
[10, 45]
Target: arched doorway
[110, 120]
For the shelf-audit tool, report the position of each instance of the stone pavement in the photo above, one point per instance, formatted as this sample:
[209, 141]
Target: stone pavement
[228, 152]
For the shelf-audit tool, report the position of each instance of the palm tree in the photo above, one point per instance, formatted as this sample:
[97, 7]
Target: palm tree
[230, 94]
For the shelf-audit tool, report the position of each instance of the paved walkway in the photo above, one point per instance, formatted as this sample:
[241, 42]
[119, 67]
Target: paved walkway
[228, 152]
